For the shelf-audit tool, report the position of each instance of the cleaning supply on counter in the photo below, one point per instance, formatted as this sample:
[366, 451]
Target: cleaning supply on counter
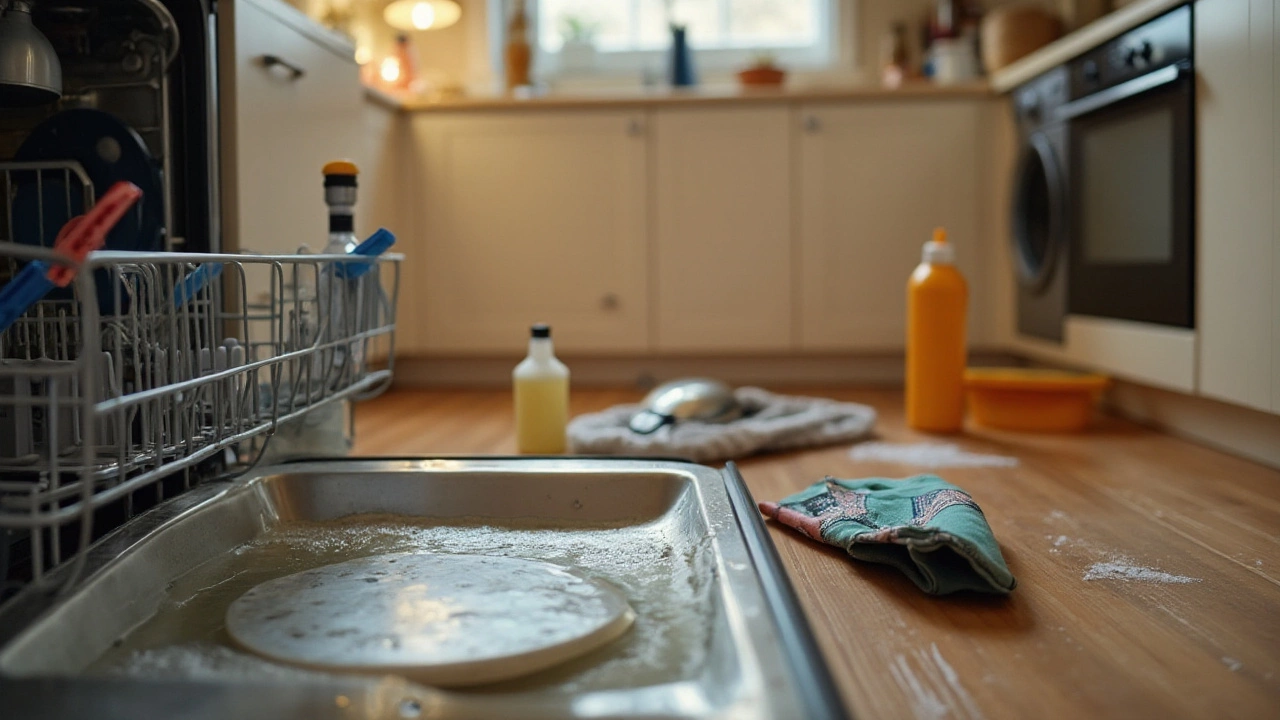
[541, 386]
[768, 423]
[518, 53]
[937, 299]
[926, 527]
[1032, 400]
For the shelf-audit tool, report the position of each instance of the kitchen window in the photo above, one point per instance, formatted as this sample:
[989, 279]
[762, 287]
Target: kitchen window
[632, 36]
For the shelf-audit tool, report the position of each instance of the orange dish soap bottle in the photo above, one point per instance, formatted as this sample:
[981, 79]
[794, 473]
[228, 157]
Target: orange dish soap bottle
[937, 298]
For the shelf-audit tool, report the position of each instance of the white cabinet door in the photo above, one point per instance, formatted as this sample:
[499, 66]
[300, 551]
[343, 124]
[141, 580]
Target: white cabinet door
[875, 179]
[723, 214]
[281, 122]
[527, 217]
[1236, 234]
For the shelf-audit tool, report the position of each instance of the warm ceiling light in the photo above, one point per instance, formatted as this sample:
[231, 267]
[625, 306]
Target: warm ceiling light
[390, 69]
[422, 14]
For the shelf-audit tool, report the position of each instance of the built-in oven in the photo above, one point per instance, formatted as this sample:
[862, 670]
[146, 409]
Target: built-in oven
[1130, 135]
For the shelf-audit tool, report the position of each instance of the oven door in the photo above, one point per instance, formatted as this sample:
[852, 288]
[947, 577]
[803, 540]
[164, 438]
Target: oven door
[1131, 150]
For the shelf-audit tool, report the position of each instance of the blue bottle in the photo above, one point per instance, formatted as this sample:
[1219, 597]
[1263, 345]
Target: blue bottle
[682, 74]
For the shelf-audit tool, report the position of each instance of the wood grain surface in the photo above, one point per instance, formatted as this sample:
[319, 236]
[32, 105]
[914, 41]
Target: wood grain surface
[1059, 646]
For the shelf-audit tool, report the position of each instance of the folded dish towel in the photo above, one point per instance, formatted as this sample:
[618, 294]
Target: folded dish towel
[924, 526]
[772, 423]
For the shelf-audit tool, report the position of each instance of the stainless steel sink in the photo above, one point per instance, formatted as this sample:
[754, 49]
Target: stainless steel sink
[719, 632]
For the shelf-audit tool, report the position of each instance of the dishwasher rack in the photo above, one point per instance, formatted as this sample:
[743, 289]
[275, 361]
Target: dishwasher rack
[155, 370]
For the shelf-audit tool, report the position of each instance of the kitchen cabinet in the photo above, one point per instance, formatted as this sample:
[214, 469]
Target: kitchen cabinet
[291, 100]
[1238, 253]
[537, 217]
[874, 180]
[723, 250]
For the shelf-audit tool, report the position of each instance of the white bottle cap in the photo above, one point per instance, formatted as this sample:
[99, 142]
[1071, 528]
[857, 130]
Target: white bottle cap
[938, 251]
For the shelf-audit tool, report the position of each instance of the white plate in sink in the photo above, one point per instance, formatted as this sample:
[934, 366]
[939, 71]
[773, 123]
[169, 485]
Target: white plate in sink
[439, 619]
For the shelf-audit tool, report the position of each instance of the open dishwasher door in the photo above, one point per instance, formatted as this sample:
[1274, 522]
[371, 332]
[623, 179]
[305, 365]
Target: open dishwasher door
[718, 632]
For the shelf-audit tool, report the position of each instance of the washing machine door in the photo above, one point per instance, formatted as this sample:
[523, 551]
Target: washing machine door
[1039, 220]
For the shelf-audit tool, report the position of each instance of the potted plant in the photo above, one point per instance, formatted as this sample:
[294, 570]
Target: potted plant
[763, 72]
[579, 49]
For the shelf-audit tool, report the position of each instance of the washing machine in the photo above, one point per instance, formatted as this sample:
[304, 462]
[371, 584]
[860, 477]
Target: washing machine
[1040, 217]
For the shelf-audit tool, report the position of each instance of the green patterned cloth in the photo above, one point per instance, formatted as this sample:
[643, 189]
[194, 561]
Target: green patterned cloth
[926, 527]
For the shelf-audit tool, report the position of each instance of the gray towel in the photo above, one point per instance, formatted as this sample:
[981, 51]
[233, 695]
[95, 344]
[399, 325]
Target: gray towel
[773, 423]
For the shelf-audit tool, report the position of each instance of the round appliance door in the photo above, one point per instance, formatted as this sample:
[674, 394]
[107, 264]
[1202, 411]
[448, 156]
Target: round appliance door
[1038, 219]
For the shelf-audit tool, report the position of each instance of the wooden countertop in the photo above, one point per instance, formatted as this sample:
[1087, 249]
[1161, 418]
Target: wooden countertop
[1059, 646]
[1080, 41]
[713, 96]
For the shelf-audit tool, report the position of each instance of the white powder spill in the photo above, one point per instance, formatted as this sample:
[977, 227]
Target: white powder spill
[1258, 563]
[953, 681]
[925, 703]
[667, 578]
[933, 686]
[1232, 664]
[929, 455]
[1062, 540]
[1118, 570]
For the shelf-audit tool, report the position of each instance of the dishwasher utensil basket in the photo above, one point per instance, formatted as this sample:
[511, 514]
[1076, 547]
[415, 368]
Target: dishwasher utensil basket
[154, 370]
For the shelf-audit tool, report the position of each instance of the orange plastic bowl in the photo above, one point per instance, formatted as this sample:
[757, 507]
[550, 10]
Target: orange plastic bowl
[1032, 400]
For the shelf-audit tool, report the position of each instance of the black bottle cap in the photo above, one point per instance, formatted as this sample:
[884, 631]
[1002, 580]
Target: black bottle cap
[541, 330]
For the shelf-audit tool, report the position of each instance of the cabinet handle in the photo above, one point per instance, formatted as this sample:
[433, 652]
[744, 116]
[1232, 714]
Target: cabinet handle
[610, 301]
[812, 124]
[635, 128]
[271, 61]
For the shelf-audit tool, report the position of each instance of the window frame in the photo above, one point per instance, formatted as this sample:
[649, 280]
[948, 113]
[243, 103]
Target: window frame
[833, 51]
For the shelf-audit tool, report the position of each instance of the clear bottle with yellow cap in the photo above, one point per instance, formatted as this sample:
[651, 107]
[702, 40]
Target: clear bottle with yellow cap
[334, 423]
[937, 301]
[340, 196]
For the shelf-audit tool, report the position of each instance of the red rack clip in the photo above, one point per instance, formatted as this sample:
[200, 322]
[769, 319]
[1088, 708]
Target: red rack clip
[85, 233]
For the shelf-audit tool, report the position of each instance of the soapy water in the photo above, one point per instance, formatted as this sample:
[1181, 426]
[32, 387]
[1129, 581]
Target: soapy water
[666, 576]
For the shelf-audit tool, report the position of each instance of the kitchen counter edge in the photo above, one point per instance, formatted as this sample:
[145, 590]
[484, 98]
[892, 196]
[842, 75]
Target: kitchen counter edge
[593, 101]
[1080, 41]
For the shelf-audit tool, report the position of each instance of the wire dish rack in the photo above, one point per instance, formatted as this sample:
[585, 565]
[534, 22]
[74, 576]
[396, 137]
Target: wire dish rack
[153, 371]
